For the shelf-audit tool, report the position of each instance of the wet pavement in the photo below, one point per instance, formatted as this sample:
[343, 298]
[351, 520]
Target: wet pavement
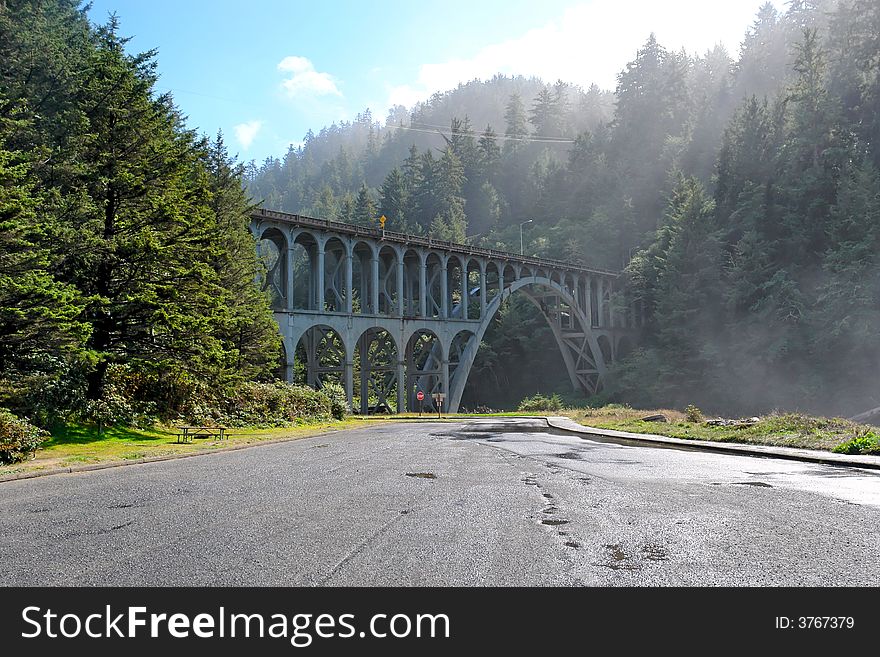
[482, 502]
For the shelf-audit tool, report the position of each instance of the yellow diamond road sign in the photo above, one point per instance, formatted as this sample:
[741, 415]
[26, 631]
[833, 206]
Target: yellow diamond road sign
[382, 221]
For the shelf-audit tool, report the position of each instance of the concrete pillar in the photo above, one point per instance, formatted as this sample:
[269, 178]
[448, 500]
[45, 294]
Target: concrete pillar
[610, 306]
[444, 292]
[501, 279]
[482, 290]
[319, 297]
[423, 286]
[465, 297]
[289, 275]
[600, 303]
[401, 386]
[444, 381]
[401, 306]
[374, 285]
[365, 375]
[349, 382]
[349, 284]
[588, 300]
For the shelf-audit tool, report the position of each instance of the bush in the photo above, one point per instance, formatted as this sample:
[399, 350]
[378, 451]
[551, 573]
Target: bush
[867, 443]
[539, 402]
[19, 438]
[275, 404]
[693, 414]
[339, 407]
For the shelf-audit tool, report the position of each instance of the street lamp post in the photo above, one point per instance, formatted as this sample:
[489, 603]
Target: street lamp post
[521, 234]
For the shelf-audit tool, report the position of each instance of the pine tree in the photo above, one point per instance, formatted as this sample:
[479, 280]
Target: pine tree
[365, 209]
[39, 316]
[393, 200]
[246, 327]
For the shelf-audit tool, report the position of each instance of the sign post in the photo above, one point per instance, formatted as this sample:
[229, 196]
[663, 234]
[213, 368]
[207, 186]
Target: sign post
[438, 399]
[382, 221]
[421, 397]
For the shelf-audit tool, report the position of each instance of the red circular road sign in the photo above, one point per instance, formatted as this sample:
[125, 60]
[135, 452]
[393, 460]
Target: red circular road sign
[420, 395]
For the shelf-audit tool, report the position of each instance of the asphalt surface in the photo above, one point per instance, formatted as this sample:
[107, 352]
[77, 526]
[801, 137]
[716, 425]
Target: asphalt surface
[485, 502]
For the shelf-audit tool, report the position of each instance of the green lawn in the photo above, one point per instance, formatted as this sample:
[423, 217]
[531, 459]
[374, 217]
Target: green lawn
[72, 445]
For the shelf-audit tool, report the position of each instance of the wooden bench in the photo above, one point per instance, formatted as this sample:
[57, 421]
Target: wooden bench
[186, 434]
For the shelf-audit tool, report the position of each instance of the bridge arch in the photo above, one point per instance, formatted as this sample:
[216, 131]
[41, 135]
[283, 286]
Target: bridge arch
[586, 361]
[426, 368]
[272, 250]
[377, 370]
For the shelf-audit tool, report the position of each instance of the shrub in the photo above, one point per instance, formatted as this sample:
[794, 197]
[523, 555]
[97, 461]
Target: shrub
[18, 437]
[866, 443]
[693, 414]
[339, 407]
[539, 402]
[275, 404]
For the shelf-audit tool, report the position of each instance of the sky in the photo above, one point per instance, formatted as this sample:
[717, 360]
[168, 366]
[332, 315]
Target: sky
[264, 72]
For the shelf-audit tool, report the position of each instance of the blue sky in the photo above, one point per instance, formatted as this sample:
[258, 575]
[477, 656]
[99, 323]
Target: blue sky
[266, 71]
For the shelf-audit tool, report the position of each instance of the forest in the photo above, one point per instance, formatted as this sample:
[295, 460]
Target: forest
[128, 275]
[738, 192]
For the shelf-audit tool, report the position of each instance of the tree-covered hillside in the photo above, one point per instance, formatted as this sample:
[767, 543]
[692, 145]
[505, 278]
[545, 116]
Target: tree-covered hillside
[738, 190]
[127, 271]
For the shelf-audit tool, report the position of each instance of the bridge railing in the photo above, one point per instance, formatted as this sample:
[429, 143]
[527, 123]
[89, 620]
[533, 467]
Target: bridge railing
[419, 240]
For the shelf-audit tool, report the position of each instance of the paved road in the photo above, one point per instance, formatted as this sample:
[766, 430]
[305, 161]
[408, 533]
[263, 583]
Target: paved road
[488, 502]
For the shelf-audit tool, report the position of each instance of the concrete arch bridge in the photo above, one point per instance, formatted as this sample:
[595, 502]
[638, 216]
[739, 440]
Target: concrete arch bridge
[389, 314]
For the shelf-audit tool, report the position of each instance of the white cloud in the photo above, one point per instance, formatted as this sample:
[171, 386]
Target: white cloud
[304, 80]
[246, 132]
[592, 42]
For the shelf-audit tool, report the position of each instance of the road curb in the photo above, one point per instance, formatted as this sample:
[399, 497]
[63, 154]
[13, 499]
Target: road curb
[791, 453]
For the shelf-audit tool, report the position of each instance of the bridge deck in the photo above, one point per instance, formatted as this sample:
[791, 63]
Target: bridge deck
[424, 241]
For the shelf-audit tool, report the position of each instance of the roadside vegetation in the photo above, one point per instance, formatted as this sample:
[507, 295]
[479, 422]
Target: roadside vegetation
[779, 429]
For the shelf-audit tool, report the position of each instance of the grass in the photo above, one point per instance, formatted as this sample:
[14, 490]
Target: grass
[779, 429]
[74, 445]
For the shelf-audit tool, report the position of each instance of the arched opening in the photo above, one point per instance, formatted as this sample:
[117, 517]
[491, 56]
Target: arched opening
[387, 281]
[412, 290]
[509, 275]
[472, 287]
[508, 366]
[335, 264]
[305, 263]
[461, 342]
[433, 285]
[424, 369]
[272, 250]
[493, 282]
[594, 302]
[320, 357]
[454, 277]
[361, 257]
[375, 381]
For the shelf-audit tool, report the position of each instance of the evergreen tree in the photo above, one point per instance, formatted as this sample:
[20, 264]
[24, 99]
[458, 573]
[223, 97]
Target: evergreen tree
[365, 209]
[393, 200]
[246, 328]
[39, 316]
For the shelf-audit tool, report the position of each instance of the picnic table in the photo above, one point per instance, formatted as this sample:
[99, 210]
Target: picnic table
[186, 434]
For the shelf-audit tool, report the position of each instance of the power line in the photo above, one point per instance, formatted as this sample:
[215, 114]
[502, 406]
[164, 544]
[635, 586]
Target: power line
[542, 140]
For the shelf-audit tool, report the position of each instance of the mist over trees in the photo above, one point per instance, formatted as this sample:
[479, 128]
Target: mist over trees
[739, 192]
